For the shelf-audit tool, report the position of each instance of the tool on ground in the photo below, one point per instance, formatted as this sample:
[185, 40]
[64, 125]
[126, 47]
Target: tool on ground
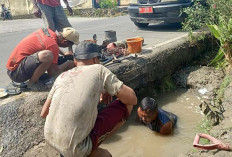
[110, 36]
[95, 38]
[119, 60]
[107, 61]
[216, 143]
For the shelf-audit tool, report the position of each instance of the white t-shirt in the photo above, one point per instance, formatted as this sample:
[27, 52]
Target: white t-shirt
[73, 111]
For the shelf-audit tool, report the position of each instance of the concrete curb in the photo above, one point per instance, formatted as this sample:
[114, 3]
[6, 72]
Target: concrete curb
[21, 127]
[159, 61]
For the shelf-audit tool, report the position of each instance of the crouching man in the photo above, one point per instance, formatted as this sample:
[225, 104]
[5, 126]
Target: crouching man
[73, 124]
[38, 53]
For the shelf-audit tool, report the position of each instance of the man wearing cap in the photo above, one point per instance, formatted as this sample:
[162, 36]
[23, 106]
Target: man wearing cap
[73, 124]
[38, 53]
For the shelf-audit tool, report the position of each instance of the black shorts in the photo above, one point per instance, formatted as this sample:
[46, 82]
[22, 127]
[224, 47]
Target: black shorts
[25, 69]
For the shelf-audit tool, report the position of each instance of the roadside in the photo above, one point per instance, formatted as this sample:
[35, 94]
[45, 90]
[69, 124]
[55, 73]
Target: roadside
[196, 76]
[87, 12]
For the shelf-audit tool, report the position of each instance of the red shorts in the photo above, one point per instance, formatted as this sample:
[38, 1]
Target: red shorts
[106, 120]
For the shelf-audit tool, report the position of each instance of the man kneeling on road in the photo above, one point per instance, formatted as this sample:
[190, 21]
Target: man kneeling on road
[38, 53]
[73, 125]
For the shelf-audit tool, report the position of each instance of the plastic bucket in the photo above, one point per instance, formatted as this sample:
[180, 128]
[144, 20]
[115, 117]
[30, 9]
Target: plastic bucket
[134, 45]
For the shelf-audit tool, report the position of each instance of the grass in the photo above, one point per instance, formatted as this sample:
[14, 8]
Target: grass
[96, 12]
[204, 126]
[226, 81]
[91, 12]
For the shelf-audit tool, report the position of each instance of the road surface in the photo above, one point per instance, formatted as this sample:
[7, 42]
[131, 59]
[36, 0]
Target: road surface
[11, 32]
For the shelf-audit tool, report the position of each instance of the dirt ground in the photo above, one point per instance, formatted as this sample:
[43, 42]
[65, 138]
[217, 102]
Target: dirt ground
[209, 80]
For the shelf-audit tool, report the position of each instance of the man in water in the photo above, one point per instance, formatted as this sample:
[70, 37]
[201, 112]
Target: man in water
[73, 124]
[155, 118]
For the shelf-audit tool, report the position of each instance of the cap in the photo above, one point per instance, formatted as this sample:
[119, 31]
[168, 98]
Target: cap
[86, 50]
[71, 34]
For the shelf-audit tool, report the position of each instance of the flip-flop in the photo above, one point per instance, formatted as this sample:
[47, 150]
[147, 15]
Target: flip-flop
[3, 93]
[19, 85]
[13, 90]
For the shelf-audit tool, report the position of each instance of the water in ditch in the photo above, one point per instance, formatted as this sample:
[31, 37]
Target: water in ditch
[136, 140]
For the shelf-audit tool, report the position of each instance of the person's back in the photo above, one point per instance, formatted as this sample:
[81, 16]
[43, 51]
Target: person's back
[76, 98]
[73, 125]
[31, 44]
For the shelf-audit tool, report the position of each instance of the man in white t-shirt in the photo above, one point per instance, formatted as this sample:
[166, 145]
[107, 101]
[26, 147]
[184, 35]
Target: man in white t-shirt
[73, 124]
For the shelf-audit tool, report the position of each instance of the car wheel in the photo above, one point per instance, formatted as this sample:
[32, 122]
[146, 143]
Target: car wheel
[141, 25]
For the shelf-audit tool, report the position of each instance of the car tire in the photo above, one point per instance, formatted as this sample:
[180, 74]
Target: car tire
[141, 25]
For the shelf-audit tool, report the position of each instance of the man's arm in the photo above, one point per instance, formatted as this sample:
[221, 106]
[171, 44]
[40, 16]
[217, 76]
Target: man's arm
[127, 95]
[68, 7]
[166, 129]
[57, 69]
[45, 108]
[65, 53]
[37, 11]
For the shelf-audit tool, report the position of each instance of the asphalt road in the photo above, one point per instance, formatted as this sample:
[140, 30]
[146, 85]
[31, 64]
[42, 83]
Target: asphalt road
[11, 32]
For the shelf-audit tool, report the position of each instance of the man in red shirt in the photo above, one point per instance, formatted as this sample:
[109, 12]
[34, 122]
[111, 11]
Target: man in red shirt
[38, 53]
[52, 13]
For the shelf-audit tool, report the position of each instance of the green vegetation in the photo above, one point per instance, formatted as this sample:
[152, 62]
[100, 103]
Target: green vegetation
[213, 15]
[99, 12]
[168, 84]
[226, 81]
[204, 126]
[108, 4]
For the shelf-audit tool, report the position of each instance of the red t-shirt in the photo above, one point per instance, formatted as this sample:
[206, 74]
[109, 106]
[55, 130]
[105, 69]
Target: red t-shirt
[35, 42]
[52, 3]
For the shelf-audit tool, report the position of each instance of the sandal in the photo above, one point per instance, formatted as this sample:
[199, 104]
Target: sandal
[3, 93]
[19, 85]
[13, 91]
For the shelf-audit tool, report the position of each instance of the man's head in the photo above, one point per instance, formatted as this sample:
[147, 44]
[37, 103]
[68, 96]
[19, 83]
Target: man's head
[68, 37]
[148, 110]
[87, 52]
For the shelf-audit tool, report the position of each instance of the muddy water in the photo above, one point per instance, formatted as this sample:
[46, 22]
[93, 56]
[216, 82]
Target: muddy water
[136, 140]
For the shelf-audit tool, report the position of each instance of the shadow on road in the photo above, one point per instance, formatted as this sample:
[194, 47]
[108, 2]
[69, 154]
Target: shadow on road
[163, 27]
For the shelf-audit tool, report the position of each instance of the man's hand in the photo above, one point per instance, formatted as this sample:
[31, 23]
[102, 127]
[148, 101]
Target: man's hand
[37, 11]
[70, 10]
[68, 53]
[105, 98]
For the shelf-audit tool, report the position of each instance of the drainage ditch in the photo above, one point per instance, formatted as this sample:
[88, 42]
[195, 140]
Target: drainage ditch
[135, 139]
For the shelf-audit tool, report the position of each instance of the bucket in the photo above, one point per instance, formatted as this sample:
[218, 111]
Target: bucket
[134, 45]
[110, 35]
